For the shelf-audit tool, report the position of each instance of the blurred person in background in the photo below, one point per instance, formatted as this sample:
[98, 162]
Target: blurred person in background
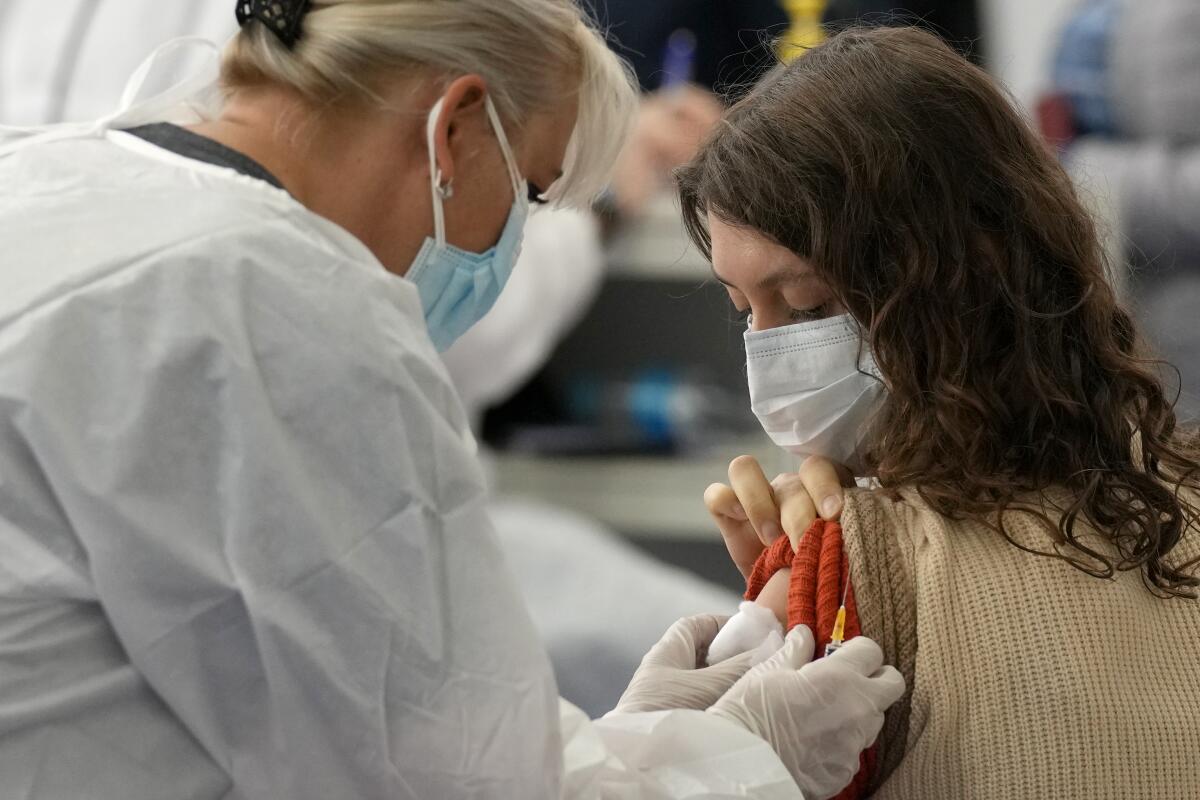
[616, 596]
[598, 602]
[1124, 110]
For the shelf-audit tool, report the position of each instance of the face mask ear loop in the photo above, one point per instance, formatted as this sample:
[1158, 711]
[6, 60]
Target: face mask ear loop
[505, 149]
[435, 175]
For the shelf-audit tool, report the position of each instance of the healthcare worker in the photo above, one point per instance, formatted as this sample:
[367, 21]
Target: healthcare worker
[73, 65]
[243, 543]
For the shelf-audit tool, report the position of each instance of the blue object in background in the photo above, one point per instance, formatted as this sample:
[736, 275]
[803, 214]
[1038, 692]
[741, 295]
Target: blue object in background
[657, 409]
[1081, 67]
[679, 58]
[649, 401]
[733, 37]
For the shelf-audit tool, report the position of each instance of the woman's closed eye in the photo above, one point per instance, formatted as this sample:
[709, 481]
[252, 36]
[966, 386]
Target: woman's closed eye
[794, 315]
[813, 314]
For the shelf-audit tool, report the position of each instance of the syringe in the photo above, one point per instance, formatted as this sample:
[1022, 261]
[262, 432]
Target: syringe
[839, 626]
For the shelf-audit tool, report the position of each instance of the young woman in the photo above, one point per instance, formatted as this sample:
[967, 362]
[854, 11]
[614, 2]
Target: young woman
[927, 304]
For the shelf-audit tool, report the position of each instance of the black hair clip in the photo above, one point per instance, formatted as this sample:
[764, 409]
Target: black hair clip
[282, 17]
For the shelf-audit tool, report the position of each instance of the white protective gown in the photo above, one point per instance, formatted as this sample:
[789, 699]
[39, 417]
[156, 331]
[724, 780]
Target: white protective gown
[244, 551]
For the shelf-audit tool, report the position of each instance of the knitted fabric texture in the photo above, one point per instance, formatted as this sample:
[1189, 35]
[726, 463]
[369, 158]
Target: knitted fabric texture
[820, 574]
[1027, 678]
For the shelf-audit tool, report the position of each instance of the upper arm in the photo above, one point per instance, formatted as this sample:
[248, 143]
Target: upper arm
[775, 595]
[877, 539]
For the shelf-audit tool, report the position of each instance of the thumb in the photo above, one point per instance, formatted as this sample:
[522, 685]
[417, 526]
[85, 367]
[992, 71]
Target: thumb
[861, 654]
[733, 668]
[885, 687]
[681, 644]
[797, 650]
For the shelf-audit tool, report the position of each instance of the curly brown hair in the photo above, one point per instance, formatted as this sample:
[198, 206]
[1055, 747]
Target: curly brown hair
[945, 226]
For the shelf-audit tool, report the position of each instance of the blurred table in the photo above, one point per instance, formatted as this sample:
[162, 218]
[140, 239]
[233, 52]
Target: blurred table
[659, 308]
[640, 496]
[656, 247]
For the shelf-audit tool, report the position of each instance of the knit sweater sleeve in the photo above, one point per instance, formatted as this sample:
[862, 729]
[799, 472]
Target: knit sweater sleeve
[880, 542]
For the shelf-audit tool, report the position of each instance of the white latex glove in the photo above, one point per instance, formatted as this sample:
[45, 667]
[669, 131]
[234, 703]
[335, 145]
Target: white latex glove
[672, 675]
[818, 716]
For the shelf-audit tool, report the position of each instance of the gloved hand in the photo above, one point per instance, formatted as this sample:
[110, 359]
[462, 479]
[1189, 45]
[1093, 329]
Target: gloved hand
[818, 716]
[673, 675]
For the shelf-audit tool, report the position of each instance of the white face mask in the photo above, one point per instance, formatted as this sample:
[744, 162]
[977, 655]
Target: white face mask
[809, 390]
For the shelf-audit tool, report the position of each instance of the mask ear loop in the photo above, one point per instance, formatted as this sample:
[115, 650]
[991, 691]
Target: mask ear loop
[435, 174]
[437, 190]
[509, 160]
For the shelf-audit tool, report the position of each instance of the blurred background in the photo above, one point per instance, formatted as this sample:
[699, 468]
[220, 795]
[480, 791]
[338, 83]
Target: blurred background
[607, 386]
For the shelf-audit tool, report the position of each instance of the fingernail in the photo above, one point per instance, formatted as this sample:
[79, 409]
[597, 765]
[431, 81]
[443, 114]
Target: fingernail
[830, 506]
[771, 531]
[738, 511]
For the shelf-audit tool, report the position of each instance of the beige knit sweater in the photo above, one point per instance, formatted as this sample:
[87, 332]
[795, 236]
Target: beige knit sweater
[1027, 678]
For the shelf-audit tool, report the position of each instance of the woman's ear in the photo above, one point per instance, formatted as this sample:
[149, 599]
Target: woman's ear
[462, 106]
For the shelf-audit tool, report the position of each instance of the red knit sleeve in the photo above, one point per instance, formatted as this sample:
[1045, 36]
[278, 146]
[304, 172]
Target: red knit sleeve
[820, 576]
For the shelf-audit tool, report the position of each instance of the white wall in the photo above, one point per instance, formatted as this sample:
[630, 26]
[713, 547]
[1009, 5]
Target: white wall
[1019, 37]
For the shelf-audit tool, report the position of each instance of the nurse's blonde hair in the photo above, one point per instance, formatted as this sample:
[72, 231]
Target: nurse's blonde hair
[524, 50]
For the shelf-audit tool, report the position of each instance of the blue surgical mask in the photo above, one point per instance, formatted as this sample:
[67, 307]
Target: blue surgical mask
[458, 288]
